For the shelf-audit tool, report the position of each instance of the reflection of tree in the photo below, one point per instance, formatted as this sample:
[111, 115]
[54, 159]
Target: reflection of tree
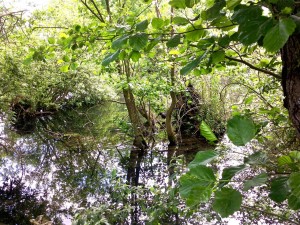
[19, 204]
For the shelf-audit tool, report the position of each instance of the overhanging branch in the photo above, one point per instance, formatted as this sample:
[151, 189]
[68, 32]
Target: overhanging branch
[277, 76]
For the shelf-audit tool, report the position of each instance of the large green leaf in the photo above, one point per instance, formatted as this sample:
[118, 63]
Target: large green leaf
[294, 183]
[191, 3]
[194, 33]
[229, 172]
[120, 42]
[203, 158]
[138, 41]
[279, 34]
[240, 130]
[279, 189]
[256, 181]
[157, 23]
[178, 20]
[199, 179]
[294, 202]
[254, 29]
[179, 4]
[192, 65]
[245, 14]
[214, 11]
[174, 41]
[207, 132]
[142, 25]
[110, 58]
[227, 201]
[232, 3]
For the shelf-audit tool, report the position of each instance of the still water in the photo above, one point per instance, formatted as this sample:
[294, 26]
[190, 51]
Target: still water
[79, 165]
[83, 159]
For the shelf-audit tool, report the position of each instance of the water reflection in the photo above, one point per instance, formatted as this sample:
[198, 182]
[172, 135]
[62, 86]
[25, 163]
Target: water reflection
[78, 159]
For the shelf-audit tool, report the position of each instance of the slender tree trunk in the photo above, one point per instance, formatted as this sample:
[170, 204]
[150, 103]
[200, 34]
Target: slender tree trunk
[169, 128]
[138, 127]
[290, 55]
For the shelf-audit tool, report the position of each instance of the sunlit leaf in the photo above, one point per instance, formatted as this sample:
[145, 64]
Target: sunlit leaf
[178, 20]
[157, 23]
[207, 132]
[135, 56]
[227, 201]
[64, 68]
[217, 56]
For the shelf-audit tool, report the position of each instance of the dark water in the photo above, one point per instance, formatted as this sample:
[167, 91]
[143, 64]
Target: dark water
[82, 159]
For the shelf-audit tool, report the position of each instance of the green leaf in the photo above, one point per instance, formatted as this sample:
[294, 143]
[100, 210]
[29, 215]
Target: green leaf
[152, 44]
[207, 132]
[142, 25]
[284, 160]
[191, 3]
[179, 4]
[253, 30]
[294, 183]
[135, 56]
[240, 130]
[51, 40]
[257, 158]
[279, 34]
[227, 201]
[174, 41]
[214, 11]
[178, 20]
[110, 58]
[120, 42]
[192, 65]
[229, 172]
[245, 14]
[64, 68]
[194, 33]
[157, 23]
[138, 41]
[230, 4]
[66, 58]
[279, 189]
[196, 185]
[217, 56]
[203, 158]
[256, 181]
[73, 66]
[294, 202]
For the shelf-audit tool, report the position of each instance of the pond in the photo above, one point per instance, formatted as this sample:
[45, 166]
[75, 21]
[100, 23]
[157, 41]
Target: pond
[83, 159]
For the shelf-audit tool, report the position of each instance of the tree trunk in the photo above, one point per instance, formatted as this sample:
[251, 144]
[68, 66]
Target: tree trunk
[290, 55]
[137, 126]
[169, 128]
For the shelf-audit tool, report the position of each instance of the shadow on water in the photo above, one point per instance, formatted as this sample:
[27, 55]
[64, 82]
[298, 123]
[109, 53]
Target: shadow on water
[82, 159]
